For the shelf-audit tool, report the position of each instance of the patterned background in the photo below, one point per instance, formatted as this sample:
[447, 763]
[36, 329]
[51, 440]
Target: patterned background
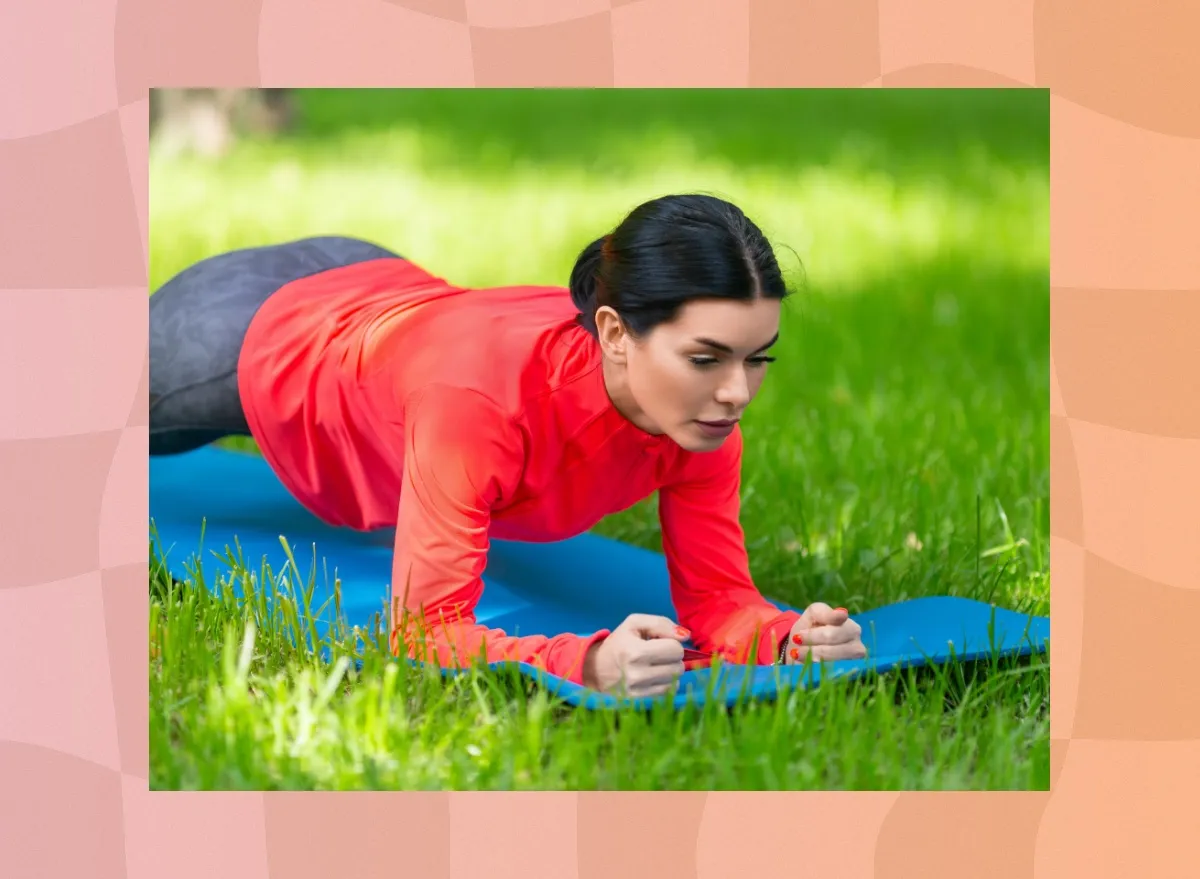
[1125, 442]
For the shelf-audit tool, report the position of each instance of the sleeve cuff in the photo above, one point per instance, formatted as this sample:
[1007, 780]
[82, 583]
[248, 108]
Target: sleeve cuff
[568, 661]
[774, 635]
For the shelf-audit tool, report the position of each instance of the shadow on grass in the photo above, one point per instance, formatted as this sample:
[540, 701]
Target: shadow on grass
[907, 134]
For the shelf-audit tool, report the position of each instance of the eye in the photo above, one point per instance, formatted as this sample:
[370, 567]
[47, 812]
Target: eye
[702, 361]
[761, 361]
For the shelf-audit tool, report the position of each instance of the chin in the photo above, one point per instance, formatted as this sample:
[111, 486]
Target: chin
[690, 441]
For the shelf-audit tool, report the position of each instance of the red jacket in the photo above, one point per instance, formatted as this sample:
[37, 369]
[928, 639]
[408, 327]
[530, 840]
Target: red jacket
[384, 396]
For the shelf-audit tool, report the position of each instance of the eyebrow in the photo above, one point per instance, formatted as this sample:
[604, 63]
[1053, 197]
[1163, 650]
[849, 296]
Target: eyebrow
[722, 347]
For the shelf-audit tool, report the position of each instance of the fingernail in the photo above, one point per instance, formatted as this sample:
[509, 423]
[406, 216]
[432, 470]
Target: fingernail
[842, 609]
[795, 652]
[682, 632]
[796, 639]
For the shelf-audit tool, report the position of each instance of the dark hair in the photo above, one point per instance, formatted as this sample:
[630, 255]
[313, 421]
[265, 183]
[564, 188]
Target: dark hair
[668, 252]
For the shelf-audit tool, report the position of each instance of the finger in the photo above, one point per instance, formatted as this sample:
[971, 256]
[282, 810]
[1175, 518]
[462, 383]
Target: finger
[824, 635]
[655, 682]
[661, 651]
[650, 626]
[816, 612]
[854, 650]
[821, 614]
[822, 653]
[651, 691]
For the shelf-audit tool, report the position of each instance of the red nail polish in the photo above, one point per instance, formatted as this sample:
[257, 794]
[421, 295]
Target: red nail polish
[796, 639]
[795, 653]
[842, 609]
[682, 632]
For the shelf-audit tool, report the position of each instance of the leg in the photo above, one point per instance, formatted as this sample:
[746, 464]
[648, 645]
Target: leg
[198, 320]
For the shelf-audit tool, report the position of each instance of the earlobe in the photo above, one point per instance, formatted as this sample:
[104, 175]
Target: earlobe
[614, 346]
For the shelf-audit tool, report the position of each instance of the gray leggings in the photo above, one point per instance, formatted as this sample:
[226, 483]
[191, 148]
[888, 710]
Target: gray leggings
[198, 320]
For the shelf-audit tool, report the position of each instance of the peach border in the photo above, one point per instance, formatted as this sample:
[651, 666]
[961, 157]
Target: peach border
[1125, 438]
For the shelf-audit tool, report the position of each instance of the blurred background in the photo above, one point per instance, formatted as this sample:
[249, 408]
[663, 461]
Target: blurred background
[907, 417]
[506, 185]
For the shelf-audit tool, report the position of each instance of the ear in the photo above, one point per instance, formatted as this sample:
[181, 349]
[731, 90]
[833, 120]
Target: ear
[612, 334]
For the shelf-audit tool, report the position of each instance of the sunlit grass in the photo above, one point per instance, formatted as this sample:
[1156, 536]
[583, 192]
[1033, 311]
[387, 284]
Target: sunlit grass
[835, 229]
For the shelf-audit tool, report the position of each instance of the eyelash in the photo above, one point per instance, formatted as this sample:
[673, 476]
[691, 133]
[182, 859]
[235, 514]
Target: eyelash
[709, 361]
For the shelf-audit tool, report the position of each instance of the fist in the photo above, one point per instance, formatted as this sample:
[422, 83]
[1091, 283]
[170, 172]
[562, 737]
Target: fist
[642, 657]
[824, 632]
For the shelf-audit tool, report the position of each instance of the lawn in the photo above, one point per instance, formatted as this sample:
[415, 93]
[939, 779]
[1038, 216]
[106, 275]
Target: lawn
[899, 448]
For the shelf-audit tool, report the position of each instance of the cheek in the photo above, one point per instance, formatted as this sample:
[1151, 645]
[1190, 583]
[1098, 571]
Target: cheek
[667, 384]
[755, 379]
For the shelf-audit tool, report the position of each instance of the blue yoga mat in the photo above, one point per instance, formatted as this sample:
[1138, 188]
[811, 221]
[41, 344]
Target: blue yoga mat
[578, 585]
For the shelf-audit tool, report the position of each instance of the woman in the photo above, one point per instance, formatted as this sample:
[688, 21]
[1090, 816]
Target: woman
[384, 396]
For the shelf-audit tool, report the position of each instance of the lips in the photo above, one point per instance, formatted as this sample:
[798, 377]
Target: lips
[717, 429]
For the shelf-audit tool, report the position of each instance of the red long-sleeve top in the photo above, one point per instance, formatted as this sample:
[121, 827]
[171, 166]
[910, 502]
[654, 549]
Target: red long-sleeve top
[384, 396]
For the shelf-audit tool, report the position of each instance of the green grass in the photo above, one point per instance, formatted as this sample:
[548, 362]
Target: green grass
[899, 447]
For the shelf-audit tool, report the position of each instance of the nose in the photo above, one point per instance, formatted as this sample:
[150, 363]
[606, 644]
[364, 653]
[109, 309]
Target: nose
[735, 392]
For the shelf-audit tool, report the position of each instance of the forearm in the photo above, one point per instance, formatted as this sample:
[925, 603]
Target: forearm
[705, 546]
[459, 643]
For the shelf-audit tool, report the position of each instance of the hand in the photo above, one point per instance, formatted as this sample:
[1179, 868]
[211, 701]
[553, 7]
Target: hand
[824, 632]
[642, 657]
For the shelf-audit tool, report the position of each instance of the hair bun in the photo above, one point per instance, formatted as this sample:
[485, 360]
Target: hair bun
[585, 280]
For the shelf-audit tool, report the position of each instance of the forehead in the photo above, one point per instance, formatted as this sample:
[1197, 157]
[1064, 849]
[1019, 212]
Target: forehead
[736, 323]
